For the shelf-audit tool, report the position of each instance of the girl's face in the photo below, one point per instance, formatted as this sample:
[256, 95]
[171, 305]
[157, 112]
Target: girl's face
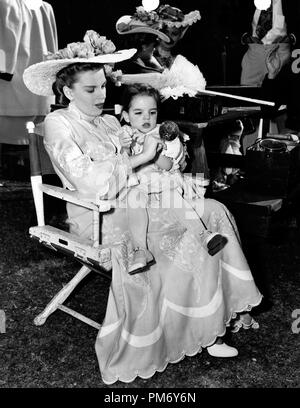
[88, 92]
[142, 113]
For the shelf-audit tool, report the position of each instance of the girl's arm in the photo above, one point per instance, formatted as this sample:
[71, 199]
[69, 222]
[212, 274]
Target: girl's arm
[163, 162]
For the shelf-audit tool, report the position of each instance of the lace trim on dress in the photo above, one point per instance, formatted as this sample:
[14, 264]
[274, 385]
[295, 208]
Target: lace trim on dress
[193, 351]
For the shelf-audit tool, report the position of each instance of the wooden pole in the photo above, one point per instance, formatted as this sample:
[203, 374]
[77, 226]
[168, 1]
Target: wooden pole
[241, 98]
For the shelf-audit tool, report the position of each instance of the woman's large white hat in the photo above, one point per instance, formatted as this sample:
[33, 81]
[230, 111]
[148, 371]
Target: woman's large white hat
[40, 77]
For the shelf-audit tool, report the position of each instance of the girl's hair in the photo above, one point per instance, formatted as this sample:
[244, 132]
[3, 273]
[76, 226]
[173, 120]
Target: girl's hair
[138, 90]
[68, 76]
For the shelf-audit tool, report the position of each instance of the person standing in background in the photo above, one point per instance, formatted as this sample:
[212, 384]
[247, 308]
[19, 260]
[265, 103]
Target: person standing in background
[268, 43]
[174, 24]
[136, 32]
[272, 50]
[27, 33]
[142, 34]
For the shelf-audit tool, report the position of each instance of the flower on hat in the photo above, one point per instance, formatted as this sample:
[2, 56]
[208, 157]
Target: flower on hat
[170, 13]
[148, 17]
[166, 15]
[100, 43]
[93, 44]
[189, 19]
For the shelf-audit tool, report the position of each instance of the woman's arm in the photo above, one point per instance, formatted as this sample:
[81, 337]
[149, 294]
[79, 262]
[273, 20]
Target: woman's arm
[93, 178]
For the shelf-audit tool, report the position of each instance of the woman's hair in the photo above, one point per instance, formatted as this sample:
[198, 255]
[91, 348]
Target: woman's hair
[68, 76]
[137, 40]
[138, 89]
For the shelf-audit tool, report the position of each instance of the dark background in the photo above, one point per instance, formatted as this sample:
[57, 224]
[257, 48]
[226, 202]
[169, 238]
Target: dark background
[213, 43]
[219, 30]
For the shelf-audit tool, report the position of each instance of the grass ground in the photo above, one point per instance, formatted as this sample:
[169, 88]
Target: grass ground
[61, 352]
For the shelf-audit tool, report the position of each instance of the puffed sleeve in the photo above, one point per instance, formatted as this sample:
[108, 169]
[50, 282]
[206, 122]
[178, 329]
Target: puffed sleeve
[10, 32]
[101, 178]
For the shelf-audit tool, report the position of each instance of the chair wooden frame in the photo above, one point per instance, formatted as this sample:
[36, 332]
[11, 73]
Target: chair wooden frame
[91, 254]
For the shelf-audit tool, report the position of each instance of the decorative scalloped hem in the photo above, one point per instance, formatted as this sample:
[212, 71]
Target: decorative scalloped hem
[191, 354]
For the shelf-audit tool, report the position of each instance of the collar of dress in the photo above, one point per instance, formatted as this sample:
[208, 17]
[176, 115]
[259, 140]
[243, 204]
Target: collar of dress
[80, 115]
[109, 133]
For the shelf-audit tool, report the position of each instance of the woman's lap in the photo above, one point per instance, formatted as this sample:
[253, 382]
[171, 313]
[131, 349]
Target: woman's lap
[180, 305]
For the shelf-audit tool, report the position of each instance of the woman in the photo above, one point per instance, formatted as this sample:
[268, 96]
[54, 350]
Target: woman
[174, 24]
[188, 298]
[144, 36]
[136, 34]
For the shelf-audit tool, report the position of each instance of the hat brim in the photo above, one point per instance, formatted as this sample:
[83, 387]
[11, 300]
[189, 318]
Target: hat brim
[143, 28]
[40, 77]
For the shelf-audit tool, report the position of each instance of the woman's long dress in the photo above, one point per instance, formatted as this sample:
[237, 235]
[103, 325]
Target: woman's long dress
[187, 298]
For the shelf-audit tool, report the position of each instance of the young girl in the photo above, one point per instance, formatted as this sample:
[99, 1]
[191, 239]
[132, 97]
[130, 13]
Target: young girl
[162, 176]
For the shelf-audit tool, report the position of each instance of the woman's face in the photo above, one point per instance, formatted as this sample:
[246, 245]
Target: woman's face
[88, 92]
[175, 34]
[147, 50]
[142, 113]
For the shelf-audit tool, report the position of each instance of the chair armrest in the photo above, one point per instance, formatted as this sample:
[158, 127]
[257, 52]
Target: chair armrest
[76, 198]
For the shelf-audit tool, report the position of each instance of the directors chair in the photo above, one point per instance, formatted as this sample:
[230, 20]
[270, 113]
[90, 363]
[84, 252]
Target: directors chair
[90, 253]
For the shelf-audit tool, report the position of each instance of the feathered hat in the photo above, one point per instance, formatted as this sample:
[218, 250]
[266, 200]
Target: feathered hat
[174, 17]
[141, 22]
[154, 21]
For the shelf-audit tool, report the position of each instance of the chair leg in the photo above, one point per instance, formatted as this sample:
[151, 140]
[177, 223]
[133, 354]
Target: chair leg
[61, 296]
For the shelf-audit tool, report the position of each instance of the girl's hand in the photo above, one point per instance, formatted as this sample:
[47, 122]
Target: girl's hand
[125, 137]
[139, 137]
[152, 146]
[150, 149]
